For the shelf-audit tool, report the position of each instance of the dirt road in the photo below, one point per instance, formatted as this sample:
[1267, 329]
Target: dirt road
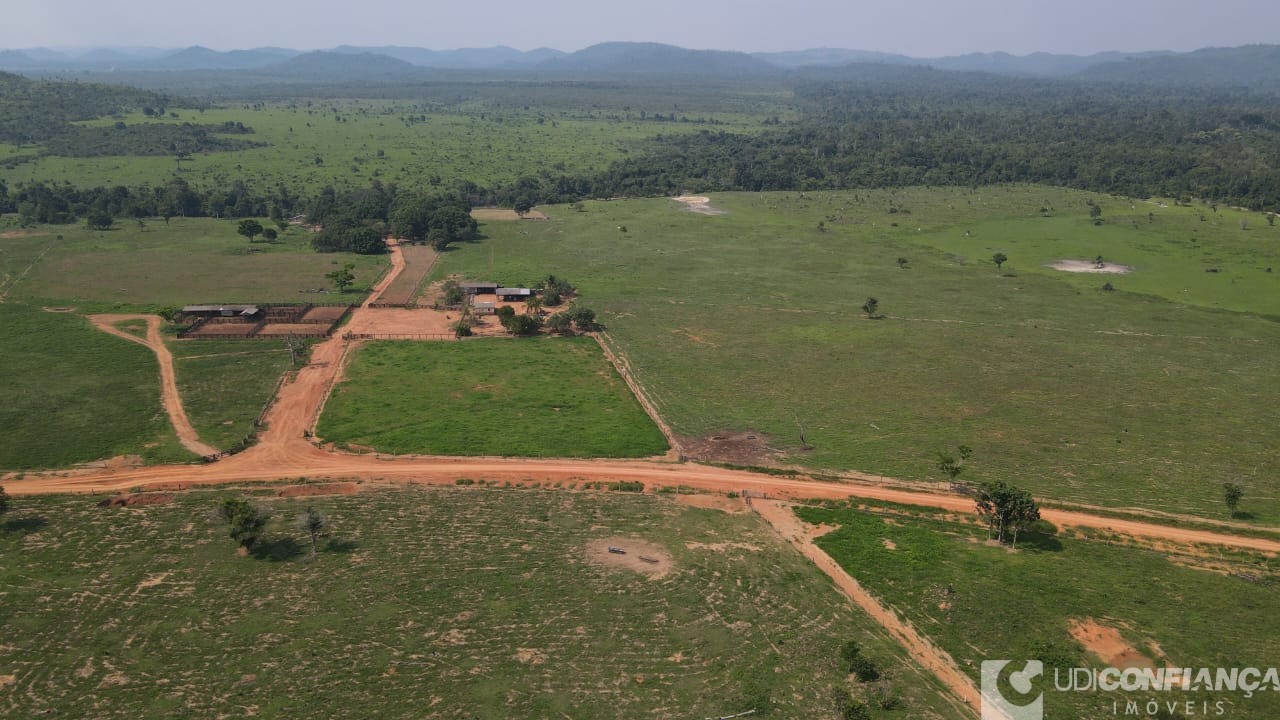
[934, 659]
[168, 380]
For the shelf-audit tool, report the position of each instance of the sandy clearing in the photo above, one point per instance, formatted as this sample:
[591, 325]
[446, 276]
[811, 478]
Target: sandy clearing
[937, 661]
[698, 204]
[1108, 645]
[1088, 266]
[168, 379]
[713, 502]
[641, 556]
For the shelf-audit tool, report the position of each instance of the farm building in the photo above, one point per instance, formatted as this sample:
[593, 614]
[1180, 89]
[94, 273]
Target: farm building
[514, 294]
[242, 311]
[484, 308]
[479, 288]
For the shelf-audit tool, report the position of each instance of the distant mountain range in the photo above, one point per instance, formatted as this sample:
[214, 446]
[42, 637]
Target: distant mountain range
[1254, 65]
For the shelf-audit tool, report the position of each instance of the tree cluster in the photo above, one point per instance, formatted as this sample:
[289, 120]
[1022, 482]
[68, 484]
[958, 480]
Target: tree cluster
[1008, 510]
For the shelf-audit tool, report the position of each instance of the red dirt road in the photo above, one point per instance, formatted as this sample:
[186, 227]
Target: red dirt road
[168, 380]
[934, 659]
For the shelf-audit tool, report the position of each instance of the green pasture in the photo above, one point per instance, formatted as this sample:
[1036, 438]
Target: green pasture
[225, 384]
[73, 394]
[426, 603]
[187, 260]
[751, 320]
[543, 397]
[358, 142]
[980, 601]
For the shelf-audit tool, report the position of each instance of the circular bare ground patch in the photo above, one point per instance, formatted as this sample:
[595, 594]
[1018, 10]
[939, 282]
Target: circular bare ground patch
[1089, 266]
[642, 556]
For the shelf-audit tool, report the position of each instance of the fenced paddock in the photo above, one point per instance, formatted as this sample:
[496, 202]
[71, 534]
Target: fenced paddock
[277, 321]
[418, 260]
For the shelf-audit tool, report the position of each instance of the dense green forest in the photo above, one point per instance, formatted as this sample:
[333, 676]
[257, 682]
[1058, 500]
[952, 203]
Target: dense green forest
[857, 127]
[922, 127]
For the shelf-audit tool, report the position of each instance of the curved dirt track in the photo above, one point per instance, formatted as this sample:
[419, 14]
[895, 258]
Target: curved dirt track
[168, 380]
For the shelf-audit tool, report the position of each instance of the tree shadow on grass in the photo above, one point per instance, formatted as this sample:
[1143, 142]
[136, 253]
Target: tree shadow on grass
[25, 525]
[341, 546]
[1040, 542]
[277, 549]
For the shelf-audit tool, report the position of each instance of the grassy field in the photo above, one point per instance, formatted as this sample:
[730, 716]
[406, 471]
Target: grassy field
[185, 261]
[542, 397]
[980, 602]
[1150, 396]
[361, 141]
[425, 603]
[225, 384]
[73, 394]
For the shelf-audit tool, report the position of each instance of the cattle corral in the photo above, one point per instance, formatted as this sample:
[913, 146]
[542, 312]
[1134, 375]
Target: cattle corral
[270, 321]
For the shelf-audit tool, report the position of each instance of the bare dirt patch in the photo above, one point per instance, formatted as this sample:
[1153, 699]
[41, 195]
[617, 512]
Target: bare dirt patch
[313, 490]
[58, 309]
[722, 547]
[641, 556]
[492, 214]
[18, 234]
[742, 448]
[1108, 645]
[713, 502]
[1088, 266]
[698, 204]
[137, 500]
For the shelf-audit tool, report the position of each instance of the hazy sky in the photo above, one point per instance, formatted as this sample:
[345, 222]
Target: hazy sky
[915, 27]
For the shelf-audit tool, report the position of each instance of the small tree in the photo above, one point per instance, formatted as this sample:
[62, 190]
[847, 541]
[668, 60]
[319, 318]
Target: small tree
[270, 234]
[560, 323]
[296, 346]
[99, 220]
[170, 314]
[1232, 493]
[523, 206]
[315, 524]
[1005, 508]
[871, 307]
[1095, 212]
[952, 465]
[142, 224]
[533, 305]
[524, 325]
[1023, 513]
[902, 263]
[584, 318]
[999, 259]
[1099, 263]
[4, 501]
[1271, 220]
[246, 520]
[343, 278]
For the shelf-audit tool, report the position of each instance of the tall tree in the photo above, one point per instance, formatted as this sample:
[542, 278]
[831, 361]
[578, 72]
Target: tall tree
[343, 277]
[1232, 494]
[249, 228]
[999, 259]
[246, 519]
[315, 524]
